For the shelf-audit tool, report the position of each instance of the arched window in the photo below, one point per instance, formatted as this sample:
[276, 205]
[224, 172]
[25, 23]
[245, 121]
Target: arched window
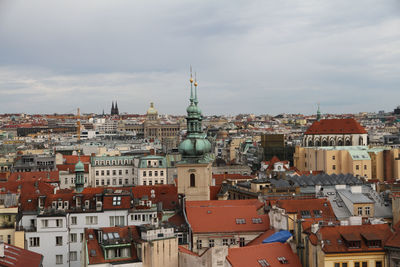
[348, 143]
[317, 143]
[340, 143]
[331, 143]
[310, 143]
[361, 141]
[192, 180]
[324, 143]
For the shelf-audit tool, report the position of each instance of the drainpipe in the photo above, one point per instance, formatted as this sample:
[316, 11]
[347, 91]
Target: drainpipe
[190, 239]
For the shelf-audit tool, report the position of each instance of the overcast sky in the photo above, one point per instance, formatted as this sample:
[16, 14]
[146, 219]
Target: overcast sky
[262, 57]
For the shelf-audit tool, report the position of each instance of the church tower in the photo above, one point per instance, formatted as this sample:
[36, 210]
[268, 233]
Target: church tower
[194, 170]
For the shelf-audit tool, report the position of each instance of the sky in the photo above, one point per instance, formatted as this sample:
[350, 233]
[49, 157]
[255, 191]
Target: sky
[260, 57]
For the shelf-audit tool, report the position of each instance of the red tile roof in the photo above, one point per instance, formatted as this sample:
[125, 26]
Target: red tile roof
[259, 239]
[46, 176]
[18, 257]
[72, 159]
[214, 190]
[220, 216]
[336, 126]
[311, 205]
[394, 240]
[337, 235]
[93, 243]
[249, 256]
[182, 249]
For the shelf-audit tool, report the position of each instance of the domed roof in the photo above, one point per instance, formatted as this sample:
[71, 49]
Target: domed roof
[151, 109]
[194, 147]
[79, 167]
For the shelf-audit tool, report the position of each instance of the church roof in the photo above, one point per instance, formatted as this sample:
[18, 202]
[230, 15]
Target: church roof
[336, 126]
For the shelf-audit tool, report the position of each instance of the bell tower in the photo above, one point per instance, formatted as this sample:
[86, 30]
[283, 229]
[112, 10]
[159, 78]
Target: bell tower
[194, 170]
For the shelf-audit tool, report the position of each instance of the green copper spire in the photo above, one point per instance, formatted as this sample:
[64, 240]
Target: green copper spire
[196, 147]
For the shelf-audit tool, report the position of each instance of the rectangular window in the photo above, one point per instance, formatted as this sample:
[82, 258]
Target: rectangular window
[108, 172]
[114, 172]
[73, 255]
[344, 264]
[120, 172]
[34, 241]
[233, 241]
[45, 223]
[356, 264]
[365, 167]
[117, 221]
[74, 220]
[199, 244]
[97, 182]
[211, 243]
[161, 173]
[378, 264]
[126, 181]
[333, 167]
[59, 259]
[337, 264]
[126, 171]
[116, 201]
[242, 242]
[97, 173]
[155, 173]
[367, 210]
[59, 223]
[81, 237]
[225, 242]
[359, 211]
[333, 157]
[102, 173]
[144, 173]
[120, 181]
[91, 220]
[108, 181]
[9, 239]
[364, 264]
[73, 238]
[150, 173]
[59, 241]
[357, 167]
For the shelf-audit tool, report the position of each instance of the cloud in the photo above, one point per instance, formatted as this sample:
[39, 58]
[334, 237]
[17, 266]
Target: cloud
[251, 56]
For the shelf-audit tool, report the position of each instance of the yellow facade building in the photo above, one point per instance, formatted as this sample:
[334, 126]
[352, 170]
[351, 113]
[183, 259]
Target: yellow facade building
[371, 163]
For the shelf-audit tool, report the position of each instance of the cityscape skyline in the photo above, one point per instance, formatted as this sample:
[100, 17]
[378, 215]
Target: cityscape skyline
[261, 57]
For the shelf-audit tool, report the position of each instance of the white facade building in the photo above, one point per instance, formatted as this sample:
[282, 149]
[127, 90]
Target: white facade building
[152, 170]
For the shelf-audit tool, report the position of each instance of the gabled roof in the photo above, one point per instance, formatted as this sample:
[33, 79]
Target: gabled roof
[299, 206]
[221, 216]
[394, 240]
[250, 256]
[335, 237]
[336, 126]
[18, 257]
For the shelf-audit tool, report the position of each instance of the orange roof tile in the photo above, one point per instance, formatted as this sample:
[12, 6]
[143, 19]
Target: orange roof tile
[221, 216]
[337, 234]
[336, 126]
[249, 256]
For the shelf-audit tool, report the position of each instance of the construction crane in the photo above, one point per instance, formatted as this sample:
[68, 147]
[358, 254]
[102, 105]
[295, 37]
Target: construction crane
[78, 128]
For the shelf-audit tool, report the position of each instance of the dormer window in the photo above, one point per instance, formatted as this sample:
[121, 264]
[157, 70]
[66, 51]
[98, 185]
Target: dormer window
[54, 204]
[87, 204]
[354, 244]
[116, 201]
[78, 202]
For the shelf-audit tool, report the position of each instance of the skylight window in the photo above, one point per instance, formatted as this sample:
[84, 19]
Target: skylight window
[116, 235]
[317, 213]
[90, 236]
[93, 253]
[257, 220]
[110, 236]
[282, 260]
[105, 237]
[263, 263]
[240, 221]
[305, 214]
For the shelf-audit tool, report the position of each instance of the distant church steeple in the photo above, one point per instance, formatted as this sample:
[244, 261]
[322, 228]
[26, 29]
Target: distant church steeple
[114, 108]
[318, 114]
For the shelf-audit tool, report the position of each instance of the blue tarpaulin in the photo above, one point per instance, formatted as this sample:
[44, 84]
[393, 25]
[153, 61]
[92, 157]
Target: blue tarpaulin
[281, 236]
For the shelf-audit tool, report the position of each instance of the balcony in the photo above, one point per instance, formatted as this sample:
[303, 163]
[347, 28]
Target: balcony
[31, 228]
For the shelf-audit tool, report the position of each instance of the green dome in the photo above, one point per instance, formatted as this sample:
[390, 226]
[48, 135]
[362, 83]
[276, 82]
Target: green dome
[79, 167]
[195, 147]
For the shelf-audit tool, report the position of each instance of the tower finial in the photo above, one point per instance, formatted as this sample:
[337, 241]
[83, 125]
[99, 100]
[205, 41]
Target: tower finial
[195, 89]
[318, 113]
[191, 85]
